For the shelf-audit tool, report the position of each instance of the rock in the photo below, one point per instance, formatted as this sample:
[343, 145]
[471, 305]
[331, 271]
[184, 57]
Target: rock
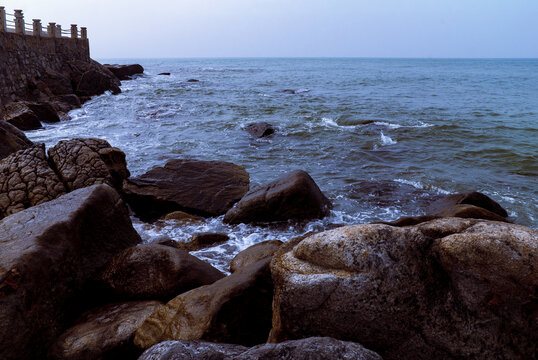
[165, 73]
[68, 102]
[203, 240]
[254, 253]
[49, 252]
[289, 91]
[44, 111]
[192, 349]
[365, 122]
[85, 162]
[470, 211]
[125, 72]
[315, 348]
[11, 140]
[261, 129]
[21, 116]
[26, 180]
[206, 188]
[410, 220]
[94, 82]
[183, 217]
[58, 83]
[193, 80]
[293, 196]
[448, 288]
[155, 271]
[105, 332]
[472, 198]
[166, 241]
[235, 309]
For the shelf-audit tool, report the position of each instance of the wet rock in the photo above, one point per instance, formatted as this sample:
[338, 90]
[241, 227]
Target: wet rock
[105, 332]
[68, 102]
[203, 240]
[94, 82]
[254, 253]
[472, 198]
[448, 288]
[11, 140]
[125, 72]
[470, 211]
[289, 91]
[261, 129]
[235, 309]
[166, 241]
[85, 162]
[49, 252]
[315, 348]
[21, 116]
[193, 80]
[206, 188]
[183, 217]
[410, 220]
[155, 271]
[292, 196]
[165, 74]
[26, 180]
[45, 112]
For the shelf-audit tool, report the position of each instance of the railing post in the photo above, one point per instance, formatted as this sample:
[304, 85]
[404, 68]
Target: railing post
[2, 18]
[74, 31]
[19, 22]
[83, 33]
[37, 27]
[51, 29]
[58, 31]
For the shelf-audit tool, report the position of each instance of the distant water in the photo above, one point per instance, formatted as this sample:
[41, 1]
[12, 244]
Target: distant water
[380, 137]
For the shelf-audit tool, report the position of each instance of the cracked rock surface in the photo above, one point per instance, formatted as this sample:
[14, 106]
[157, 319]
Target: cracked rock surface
[26, 180]
[450, 288]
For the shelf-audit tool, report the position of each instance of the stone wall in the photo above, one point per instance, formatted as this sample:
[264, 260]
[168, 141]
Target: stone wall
[24, 58]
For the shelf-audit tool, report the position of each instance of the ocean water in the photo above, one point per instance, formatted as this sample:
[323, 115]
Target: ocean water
[381, 137]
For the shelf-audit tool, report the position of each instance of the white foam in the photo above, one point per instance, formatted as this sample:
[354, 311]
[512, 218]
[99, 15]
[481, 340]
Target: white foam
[329, 122]
[419, 185]
[387, 124]
[387, 140]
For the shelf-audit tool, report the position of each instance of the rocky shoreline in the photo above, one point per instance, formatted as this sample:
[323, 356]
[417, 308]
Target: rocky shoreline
[76, 282]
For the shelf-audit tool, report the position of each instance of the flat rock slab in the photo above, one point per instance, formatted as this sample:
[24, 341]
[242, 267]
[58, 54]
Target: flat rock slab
[294, 196]
[11, 139]
[314, 348]
[26, 180]
[206, 188]
[48, 253]
[105, 332]
[447, 288]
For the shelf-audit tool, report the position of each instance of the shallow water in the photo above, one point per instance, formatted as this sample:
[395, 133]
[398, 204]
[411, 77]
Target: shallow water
[380, 137]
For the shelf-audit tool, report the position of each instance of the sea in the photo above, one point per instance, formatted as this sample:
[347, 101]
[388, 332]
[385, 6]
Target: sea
[382, 138]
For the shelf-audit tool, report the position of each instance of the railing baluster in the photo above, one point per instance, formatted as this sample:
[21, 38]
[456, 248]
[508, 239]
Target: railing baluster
[3, 25]
[19, 22]
[37, 27]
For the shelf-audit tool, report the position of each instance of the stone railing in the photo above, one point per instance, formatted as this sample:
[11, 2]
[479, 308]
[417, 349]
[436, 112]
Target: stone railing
[14, 23]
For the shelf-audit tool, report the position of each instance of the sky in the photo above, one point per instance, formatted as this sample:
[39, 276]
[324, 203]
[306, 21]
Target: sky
[297, 28]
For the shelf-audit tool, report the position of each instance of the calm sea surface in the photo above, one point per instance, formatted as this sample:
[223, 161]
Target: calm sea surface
[439, 126]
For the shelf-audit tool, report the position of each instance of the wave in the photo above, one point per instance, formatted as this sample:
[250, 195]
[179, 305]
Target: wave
[387, 140]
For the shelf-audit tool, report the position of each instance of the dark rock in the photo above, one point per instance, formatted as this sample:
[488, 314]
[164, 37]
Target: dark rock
[289, 91]
[410, 220]
[470, 211]
[203, 240]
[206, 188]
[58, 83]
[49, 252]
[44, 111]
[85, 162]
[103, 333]
[21, 116]
[472, 198]
[254, 253]
[66, 103]
[166, 241]
[95, 82]
[365, 122]
[316, 348]
[292, 196]
[183, 217]
[193, 80]
[236, 309]
[449, 288]
[11, 140]
[261, 129]
[26, 180]
[165, 73]
[125, 72]
[154, 271]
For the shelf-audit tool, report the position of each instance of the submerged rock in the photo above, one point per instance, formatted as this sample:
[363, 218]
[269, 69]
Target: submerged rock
[11, 140]
[203, 240]
[235, 309]
[193, 80]
[471, 198]
[164, 73]
[103, 333]
[261, 129]
[155, 271]
[254, 253]
[292, 196]
[49, 253]
[448, 288]
[206, 188]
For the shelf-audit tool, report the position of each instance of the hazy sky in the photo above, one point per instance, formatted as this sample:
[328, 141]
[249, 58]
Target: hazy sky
[297, 28]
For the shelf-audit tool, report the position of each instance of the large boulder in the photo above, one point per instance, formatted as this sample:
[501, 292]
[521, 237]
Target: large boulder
[471, 198]
[26, 179]
[254, 253]
[153, 271]
[315, 348]
[21, 116]
[293, 196]
[95, 82]
[11, 140]
[448, 288]
[235, 309]
[49, 253]
[86, 162]
[206, 188]
[125, 72]
[44, 111]
[104, 333]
